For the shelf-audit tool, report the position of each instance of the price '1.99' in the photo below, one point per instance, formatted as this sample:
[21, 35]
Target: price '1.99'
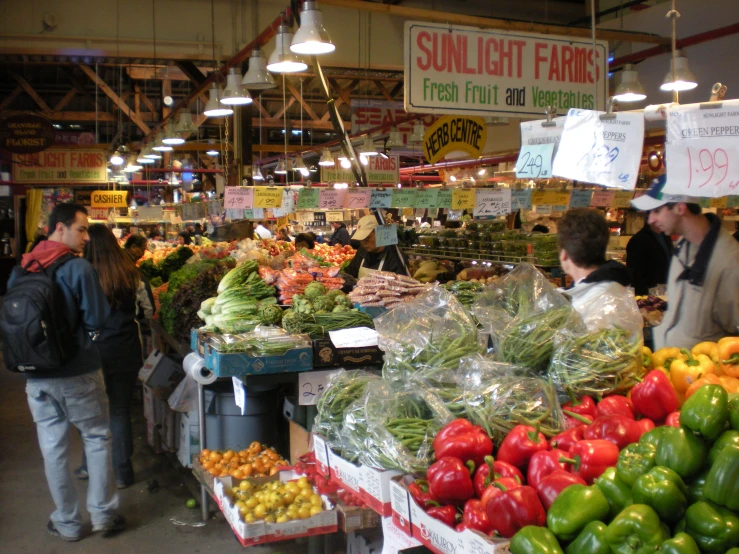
[710, 167]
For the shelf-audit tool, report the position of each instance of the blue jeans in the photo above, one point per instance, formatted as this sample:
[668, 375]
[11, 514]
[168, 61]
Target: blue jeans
[56, 405]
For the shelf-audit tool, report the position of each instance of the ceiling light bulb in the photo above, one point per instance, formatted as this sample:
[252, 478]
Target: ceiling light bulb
[257, 77]
[629, 89]
[212, 152]
[482, 171]
[418, 131]
[144, 158]
[172, 137]
[236, 93]
[153, 154]
[283, 60]
[312, 37]
[345, 163]
[452, 178]
[281, 168]
[116, 158]
[684, 78]
[363, 159]
[257, 174]
[326, 158]
[159, 144]
[212, 107]
[299, 165]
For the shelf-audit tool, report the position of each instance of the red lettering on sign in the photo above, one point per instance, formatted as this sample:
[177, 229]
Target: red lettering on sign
[539, 58]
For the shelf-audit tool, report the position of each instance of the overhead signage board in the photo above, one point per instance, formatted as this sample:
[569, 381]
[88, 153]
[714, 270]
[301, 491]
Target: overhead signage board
[369, 114]
[454, 134]
[26, 133]
[379, 171]
[452, 69]
[61, 166]
[109, 199]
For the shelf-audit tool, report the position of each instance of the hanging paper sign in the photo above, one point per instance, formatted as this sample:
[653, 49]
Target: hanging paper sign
[602, 151]
[357, 198]
[722, 202]
[535, 161]
[150, 213]
[420, 212]
[427, 198]
[329, 199]
[288, 203]
[232, 214]
[543, 209]
[408, 212]
[551, 197]
[602, 198]
[491, 203]
[386, 235]
[581, 198]
[542, 132]
[444, 199]
[334, 216]
[238, 198]
[521, 199]
[308, 198]
[381, 198]
[267, 197]
[704, 202]
[254, 213]
[109, 199]
[622, 199]
[703, 150]
[404, 198]
[732, 202]
[454, 134]
[463, 199]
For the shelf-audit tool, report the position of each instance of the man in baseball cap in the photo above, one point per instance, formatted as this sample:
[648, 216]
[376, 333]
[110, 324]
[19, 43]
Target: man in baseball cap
[370, 257]
[703, 282]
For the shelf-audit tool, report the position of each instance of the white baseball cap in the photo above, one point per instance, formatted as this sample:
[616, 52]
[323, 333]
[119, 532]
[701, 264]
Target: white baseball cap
[655, 198]
[365, 227]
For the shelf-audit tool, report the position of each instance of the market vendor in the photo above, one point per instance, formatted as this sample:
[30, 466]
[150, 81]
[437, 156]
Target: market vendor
[370, 257]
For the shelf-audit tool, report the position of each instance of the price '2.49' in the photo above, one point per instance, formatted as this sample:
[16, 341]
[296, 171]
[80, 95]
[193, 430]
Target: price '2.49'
[532, 166]
[709, 166]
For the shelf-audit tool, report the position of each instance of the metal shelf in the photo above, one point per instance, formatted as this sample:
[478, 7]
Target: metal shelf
[474, 256]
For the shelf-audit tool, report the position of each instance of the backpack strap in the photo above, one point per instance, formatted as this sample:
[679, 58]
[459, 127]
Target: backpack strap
[60, 261]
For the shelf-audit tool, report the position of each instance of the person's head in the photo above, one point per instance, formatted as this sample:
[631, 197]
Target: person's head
[262, 223]
[304, 240]
[183, 239]
[284, 235]
[117, 273]
[668, 213]
[68, 224]
[136, 246]
[582, 234]
[155, 235]
[191, 228]
[337, 224]
[365, 234]
[198, 227]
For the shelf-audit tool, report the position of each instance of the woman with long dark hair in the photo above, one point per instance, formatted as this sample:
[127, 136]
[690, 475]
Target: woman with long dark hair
[119, 342]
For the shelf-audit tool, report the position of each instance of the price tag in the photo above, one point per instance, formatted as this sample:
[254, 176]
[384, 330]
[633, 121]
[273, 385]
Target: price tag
[533, 132]
[312, 384]
[433, 213]
[308, 198]
[732, 202]
[606, 152]
[249, 214]
[408, 212]
[722, 202]
[622, 199]
[602, 198]
[535, 161]
[254, 213]
[543, 209]
[427, 198]
[150, 213]
[239, 394]
[288, 204]
[335, 216]
[238, 198]
[267, 197]
[357, 337]
[463, 199]
[552, 197]
[331, 199]
[444, 199]
[521, 199]
[386, 235]
[491, 203]
[404, 198]
[357, 198]
[580, 198]
[233, 214]
[381, 198]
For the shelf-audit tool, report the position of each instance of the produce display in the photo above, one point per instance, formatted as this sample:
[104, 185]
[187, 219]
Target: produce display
[652, 309]
[158, 270]
[276, 501]
[386, 290]
[465, 291]
[266, 341]
[256, 460]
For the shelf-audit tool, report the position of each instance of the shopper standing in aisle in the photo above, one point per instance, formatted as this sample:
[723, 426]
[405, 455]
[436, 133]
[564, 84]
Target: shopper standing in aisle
[340, 235]
[261, 231]
[703, 282]
[648, 255]
[119, 342]
[75, 394]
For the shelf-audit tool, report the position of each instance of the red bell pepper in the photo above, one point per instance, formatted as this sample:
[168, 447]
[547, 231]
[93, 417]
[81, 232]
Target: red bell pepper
[461, 439]
[504, 469]
[475, 516]
[645, 425]
[497, 488]
[420, 492]
[445, 514]
[590, 458]
[553, 484]
[584, 406]
[450, 481]
[492, 470]
[673, 420]
[655, 396]
[620, 430]
[566, 439]
[616, 405]
[522, 442]
[515, 509]
[542, 464]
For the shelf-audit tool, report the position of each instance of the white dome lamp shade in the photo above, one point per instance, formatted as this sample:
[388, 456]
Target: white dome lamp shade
[185, 123]
[159, 144]
[257, 174]
[236, 94]
[132, 166]
[212, 107]
[257, 77]
[418, 131]
[312, 37]
[327, 159]
[683, 79]
[281, 168]
[395, 140]
[116, 158]
[368, 147]
[283, 60]
[143, 158]
[299, 166]
[172, 137]
[629, 89]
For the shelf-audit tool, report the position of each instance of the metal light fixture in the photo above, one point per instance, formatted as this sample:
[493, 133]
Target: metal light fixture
[281, 168]
[299, 165]
[212, 108]
[683, 78]
[283, 60]
[368, 147]
[143, 159]
[116, 158]
[629, 89]
[257, 77]
[312, 37]
[326, 158]
[184, 123]
[212, 150]
[452, 178]
[236, 94]
[159, 144]
[153, 154]
[418, 131]
[395, 140]
[257, 174]
[172, 137]
[345, 163]
[132, 166]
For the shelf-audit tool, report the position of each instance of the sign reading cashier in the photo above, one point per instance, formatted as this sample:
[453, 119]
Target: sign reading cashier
[452, 134]
[109, 199]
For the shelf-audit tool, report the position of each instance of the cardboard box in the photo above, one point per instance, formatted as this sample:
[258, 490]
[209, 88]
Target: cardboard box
[320, 449]
[169, 429]
[353, 518]
[239, 364]
[161, 372]
[376, 489]
[325, 354]
[189, 438]
[154, 414]
[300, 441]
[345, 474]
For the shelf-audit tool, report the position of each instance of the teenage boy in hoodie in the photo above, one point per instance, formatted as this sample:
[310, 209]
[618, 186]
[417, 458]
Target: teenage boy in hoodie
[75, 394]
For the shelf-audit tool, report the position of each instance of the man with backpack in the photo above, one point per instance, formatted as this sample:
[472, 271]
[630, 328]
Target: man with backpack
[50, 317]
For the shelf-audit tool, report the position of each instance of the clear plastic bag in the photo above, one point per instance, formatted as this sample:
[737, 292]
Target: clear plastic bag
[425, 338]
[185, 397]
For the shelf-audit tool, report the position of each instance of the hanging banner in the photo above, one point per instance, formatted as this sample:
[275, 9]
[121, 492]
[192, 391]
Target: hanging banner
[601, 151]
[404, 198]
[703, 150]
[267, 197]
[490, 203]
[535, 161]
[238, 198]
[308, 198]
[357, 198]
[444, 198]
[602, 198]
[463, 199]
[26, 133]
[454, 134]
[381, 198]
[450, 69]
[379, 170]
[427, 198]
[61, 166]
[109, 199]
[521, 199]
[581, 198]
[330, 199]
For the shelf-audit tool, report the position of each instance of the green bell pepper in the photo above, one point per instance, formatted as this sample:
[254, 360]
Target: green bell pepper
[706, 411]
[734, 411]
[535, 540]
[727, 438]
[695, 488]
[636, 530]
[591, 540]
[664, 490]
[681, 450]
[722, 481]
[574, 508]
[682, 543]
[653, 437]
[615, 490]
[713, 527]
[635, 460]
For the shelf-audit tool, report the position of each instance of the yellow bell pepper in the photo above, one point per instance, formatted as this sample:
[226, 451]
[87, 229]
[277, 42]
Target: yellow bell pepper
[686, 372]
[728, 356]
[646, 354]
[664, 356]
[710, 349]
[731, 384]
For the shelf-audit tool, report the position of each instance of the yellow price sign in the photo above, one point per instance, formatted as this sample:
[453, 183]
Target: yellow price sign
[622, 198]
[722, 202]
[267, 197]
[463, 199]
[550, 197]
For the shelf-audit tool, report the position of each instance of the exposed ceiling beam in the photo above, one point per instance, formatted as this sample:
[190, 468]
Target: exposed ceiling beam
[8, 100]
[65, 99]
[79, 86]
[191, 71]
[32, 93]
[299, 98]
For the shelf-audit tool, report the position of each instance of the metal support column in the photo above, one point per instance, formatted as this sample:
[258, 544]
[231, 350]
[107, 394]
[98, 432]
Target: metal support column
[204, 497]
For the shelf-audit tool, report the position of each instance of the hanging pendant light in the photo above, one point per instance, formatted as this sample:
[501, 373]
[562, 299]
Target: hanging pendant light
[299, 165]
[212, 108]
[257, 174]
[143, 159]
[257, 77]
[368, 147]
[172, 137]
[281, 168]
[395, 140]
[312, 37]
[283, 60]
[116, 158]
[152, 154]
[159, 144]
[236, 94]
[418, 131]
[184, 123]
[683, 79]
[326, 158]
[132, 166]
[629, 89]
[345, 163]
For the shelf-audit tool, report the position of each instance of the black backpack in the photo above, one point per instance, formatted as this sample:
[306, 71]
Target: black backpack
[36, 333]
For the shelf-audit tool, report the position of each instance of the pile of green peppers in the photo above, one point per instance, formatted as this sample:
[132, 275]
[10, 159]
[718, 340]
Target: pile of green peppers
[676, 491]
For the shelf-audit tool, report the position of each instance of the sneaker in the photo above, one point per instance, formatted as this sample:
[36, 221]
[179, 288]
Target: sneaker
[113, 527]
[81, 474]
[54, 532]
[123, 484]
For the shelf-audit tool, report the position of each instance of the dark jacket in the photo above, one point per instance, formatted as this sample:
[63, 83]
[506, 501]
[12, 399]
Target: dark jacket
[648, 256]
[389, 254]
[119, 343]
[610, 271]
[340, 236]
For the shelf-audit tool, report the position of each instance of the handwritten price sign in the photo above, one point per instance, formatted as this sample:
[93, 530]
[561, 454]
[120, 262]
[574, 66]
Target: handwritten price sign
[604, 152]
[308, 199]
[312, 384]
[267, 197]
[331, 199]
[463, 199]
[491, 203]
[580, 198]
[521, 199]
[404, 198]
[444, 199]
[386, 235]
[602, 198]
[358, 198]
[427, 198]
[381, 198]
[622, 198]
[535, 161]
[238, 198]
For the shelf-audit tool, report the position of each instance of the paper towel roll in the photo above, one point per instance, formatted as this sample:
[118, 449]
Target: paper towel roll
[194, 366]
